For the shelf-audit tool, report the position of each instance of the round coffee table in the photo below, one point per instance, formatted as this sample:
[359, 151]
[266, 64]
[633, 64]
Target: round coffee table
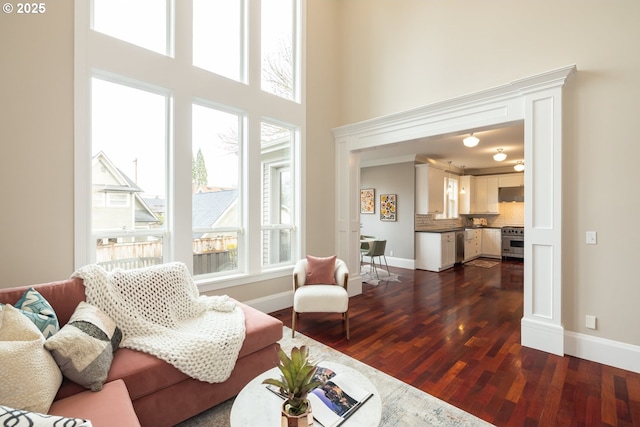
[257, 406]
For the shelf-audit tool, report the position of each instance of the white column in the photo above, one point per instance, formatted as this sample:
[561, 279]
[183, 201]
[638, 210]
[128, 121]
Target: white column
[348, 212]
[542, 320]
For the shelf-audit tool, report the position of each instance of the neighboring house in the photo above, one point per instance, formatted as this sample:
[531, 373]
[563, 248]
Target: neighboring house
[214, 209]
[117, 202]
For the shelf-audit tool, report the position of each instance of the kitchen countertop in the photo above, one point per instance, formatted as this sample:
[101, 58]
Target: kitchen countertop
[450, 230]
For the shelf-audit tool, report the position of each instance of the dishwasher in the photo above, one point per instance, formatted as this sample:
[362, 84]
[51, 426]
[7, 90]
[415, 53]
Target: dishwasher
[459, 246]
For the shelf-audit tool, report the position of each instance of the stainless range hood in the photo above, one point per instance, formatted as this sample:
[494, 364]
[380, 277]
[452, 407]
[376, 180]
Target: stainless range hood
[511, 194]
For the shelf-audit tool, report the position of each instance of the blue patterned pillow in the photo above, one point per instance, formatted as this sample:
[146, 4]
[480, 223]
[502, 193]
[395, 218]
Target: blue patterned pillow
[39, 311]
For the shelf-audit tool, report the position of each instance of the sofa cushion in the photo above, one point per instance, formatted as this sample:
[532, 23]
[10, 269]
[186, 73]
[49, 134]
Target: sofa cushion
[29, 376]
[39, 311]
[108, 407]
[84, 347]
[20, 418]
[261, 330]
[145, 374]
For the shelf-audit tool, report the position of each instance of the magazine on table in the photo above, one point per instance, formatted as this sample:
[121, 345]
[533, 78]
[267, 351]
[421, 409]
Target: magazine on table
[334, 401]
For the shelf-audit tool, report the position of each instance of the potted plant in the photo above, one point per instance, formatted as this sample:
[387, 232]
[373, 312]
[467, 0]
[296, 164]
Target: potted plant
[296, 381]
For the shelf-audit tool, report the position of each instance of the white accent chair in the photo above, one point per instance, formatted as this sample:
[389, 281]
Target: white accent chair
[320, 298]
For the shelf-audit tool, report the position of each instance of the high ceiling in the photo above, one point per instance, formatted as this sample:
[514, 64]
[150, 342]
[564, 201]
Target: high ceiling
[445, 148]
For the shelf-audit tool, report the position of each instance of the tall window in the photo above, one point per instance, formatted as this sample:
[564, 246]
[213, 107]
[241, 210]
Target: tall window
[215, 202]
[278, 48]
[129, 141]
[122, 19]
[175, 163]
[218, 37]
[277, 193]
[450, 197]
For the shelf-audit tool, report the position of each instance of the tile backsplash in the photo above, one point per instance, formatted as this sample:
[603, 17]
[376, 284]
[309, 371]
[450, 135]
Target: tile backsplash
[510, 213]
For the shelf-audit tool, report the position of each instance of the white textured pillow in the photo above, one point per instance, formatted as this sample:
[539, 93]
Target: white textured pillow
[29, 376]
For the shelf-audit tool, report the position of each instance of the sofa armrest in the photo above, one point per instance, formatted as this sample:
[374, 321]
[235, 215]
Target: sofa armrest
[108, 407]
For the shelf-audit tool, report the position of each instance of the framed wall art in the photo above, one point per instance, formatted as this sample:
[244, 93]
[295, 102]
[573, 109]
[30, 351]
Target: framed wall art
[368, 201]
[388, 207]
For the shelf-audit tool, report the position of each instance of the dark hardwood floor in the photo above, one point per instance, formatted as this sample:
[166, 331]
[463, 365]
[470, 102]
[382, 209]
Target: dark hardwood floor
[456, 336]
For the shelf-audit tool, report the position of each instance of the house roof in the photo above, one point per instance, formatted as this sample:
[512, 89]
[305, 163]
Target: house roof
[143, 213]
[208, 207]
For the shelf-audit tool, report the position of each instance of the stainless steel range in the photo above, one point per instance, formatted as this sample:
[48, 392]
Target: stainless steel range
[513, 242]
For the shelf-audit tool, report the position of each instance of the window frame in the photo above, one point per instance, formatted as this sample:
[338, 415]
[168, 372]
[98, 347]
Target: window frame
[248, 98]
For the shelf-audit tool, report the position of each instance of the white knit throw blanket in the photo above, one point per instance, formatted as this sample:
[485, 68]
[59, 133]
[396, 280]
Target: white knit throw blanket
[160, 312]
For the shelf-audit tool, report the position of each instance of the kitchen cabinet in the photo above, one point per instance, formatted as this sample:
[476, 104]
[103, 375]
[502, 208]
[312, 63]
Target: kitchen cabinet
[466, 201]
[511, 180]
[472, 244]
[429, 190]
[486, 194]
[435, 251]
[491, 242]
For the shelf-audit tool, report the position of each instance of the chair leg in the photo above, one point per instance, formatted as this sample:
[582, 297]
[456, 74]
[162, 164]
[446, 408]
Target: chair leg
[346, 321]
[293, 323]
[372, 266]
[385, 263]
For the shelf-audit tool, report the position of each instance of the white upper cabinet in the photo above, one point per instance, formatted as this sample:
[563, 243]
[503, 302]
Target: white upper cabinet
[486, 194]
[429, 190]
[511, 180]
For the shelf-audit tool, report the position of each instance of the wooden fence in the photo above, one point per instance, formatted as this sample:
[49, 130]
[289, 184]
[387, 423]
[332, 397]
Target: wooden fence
[209, 255]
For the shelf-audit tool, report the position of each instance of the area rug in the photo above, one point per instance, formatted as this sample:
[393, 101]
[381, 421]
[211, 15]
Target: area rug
[402, 404]
[482, 263]
[370, 277]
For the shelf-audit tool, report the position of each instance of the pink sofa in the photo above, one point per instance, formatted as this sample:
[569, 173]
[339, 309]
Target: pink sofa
[142, 388]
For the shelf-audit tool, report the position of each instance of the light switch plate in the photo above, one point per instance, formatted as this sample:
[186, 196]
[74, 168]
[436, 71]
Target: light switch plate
[592, 238]
[591, 322]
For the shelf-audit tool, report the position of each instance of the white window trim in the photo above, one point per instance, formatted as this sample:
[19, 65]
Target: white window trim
[251, 99]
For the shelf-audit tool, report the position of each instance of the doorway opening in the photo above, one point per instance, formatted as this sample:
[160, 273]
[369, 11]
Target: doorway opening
[537, 101]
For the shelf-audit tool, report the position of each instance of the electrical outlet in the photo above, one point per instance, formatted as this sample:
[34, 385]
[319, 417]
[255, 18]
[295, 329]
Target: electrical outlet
[591, 322]
[592, 238]
[390, 253]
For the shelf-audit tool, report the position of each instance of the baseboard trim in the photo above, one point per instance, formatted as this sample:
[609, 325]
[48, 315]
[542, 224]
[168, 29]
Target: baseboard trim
[409, 264]
[272, 303]
[602, 350]
[542, 336]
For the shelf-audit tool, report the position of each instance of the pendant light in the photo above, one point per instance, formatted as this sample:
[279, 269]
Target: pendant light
[499, 156]
[462, 190]
[470, 141]
[519, 166]
[448, 180]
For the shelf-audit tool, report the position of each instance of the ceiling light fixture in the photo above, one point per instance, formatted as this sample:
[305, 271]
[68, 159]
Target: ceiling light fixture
[499, 156]
[519, 166]
[470, 141]
[462, 191]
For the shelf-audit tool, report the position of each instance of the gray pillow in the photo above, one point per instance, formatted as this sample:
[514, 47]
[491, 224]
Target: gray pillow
[84, 347]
